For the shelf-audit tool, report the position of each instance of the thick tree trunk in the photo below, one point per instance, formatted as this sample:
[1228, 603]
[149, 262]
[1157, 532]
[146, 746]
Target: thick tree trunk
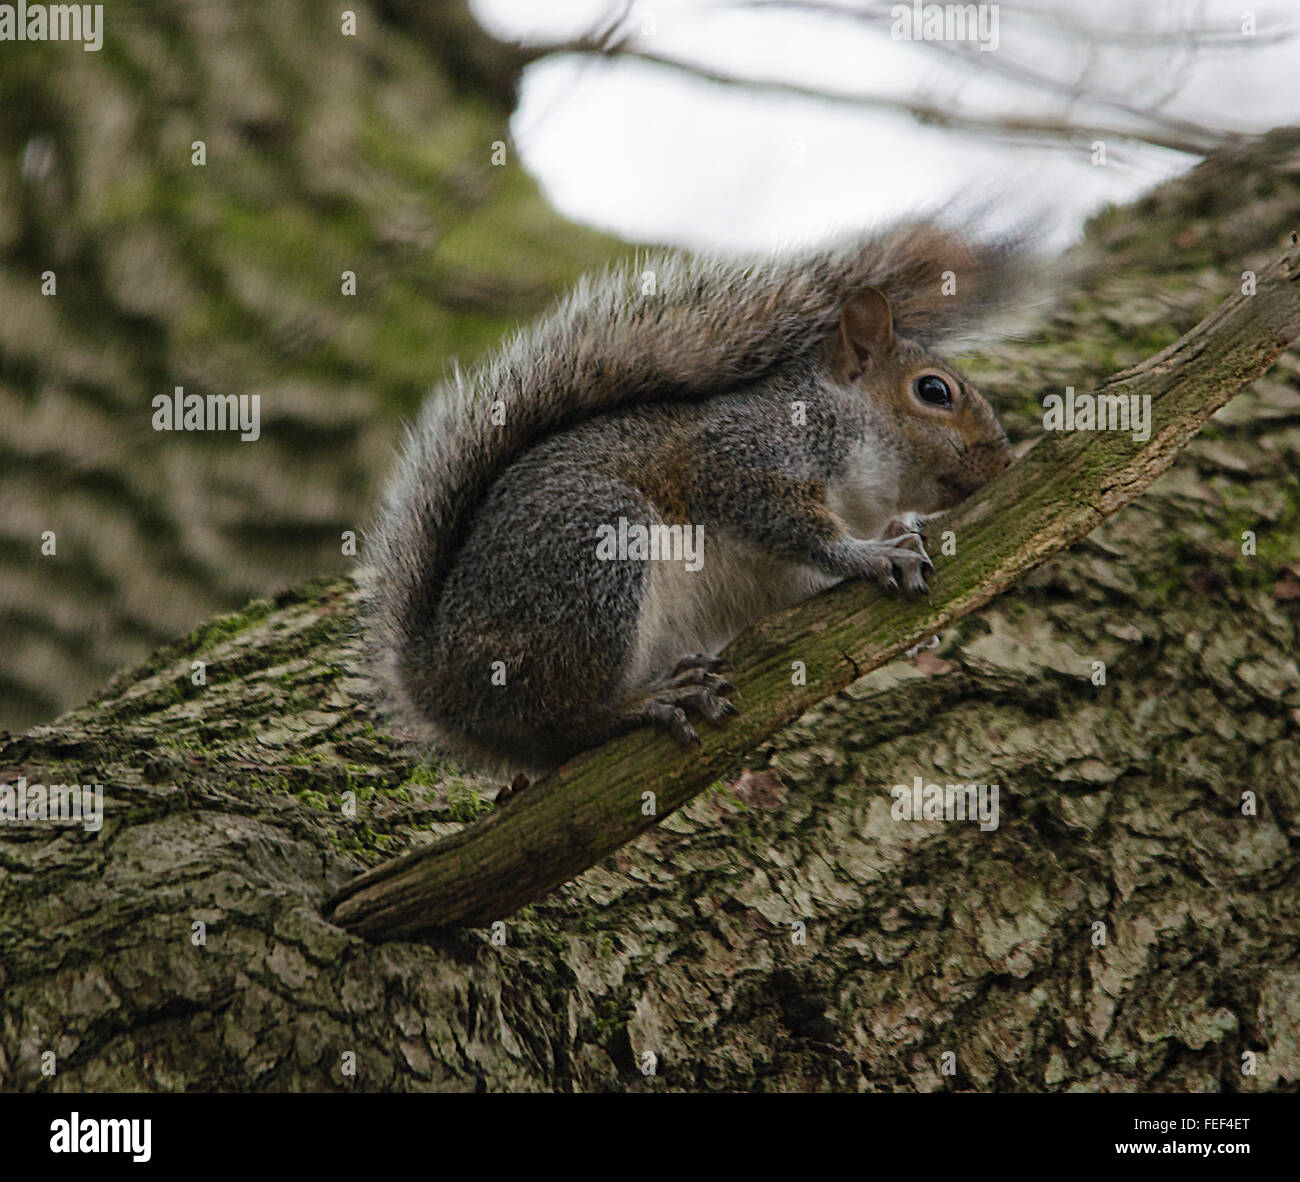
[1129, 925]
[323, 154]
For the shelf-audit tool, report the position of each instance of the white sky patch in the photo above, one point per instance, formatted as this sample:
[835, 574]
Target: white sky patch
[655, 155]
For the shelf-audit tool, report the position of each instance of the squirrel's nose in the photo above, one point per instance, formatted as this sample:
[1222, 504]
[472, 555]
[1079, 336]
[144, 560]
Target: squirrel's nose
[1001, 454]
[992, 458]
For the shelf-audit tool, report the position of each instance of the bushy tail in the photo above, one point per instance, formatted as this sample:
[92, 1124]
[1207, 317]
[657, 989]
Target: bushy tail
[666, 327]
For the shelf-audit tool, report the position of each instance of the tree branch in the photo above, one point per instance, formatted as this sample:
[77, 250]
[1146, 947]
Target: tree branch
[1095, 37]
[1048, 131]
[1053, 497]
[1144, 123]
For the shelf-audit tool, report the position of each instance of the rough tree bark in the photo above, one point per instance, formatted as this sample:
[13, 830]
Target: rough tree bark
[1122, 807]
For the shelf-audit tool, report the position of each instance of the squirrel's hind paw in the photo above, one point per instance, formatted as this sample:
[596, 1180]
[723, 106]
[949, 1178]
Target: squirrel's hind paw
[693, 677]
[673, 720]
[691, 686]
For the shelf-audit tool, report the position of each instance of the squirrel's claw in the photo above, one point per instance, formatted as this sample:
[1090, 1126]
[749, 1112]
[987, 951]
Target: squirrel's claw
[693, 685]
[907, 553]
[673, 720]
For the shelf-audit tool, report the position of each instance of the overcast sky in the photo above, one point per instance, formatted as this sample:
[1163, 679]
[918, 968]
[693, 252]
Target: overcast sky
[657, 156]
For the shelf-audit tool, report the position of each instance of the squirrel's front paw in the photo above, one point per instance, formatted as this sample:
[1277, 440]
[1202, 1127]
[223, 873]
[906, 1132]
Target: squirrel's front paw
[904, 533]
[894, 560]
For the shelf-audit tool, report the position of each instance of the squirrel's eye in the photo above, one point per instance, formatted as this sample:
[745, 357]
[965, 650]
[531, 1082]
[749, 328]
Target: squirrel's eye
[933, 390]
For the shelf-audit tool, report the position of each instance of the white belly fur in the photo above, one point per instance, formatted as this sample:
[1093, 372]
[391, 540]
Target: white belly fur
[699, 611]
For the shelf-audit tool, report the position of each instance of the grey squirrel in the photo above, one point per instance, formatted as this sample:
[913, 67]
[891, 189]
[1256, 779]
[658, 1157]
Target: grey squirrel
[787, 410]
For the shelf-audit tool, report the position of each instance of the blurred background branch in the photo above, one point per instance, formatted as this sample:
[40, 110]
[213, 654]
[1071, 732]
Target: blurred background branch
[1094, 84]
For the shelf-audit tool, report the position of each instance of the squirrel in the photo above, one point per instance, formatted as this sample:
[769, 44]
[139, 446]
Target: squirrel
[786, 412]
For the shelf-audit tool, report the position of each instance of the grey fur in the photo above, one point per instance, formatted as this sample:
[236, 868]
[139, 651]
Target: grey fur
[484, 546]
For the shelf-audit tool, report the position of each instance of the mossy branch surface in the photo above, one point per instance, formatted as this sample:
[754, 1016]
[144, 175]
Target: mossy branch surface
[1055, 495]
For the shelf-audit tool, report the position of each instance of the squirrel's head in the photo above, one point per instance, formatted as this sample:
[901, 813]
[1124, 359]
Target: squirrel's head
[950, 441]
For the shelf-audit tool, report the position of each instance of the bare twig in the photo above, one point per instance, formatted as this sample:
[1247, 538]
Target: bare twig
[1129, 121]
[1047, 131]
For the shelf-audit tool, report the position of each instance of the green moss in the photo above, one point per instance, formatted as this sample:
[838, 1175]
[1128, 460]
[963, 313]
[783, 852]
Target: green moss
[463, 801]
[277, 785]
[422, 775]
[363, 839]
[609, 1018]
[216, 631]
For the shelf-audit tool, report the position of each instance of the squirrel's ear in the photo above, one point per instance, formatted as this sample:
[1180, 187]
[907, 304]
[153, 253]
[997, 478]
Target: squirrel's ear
[866, 332]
